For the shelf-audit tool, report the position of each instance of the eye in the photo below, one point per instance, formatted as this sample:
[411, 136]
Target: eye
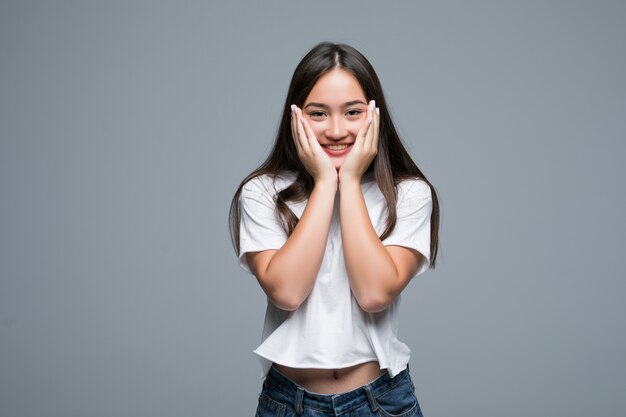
[316, 114]
[354, 113]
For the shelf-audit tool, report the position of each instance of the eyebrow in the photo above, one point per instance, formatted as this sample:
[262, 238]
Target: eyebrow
[324, 106]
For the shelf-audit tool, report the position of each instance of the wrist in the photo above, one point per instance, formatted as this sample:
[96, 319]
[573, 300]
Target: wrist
[329, 184]
[346, 176]
[349, 183]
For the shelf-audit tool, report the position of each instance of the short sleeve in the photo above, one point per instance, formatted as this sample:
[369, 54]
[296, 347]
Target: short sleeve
[260, 227]
[412, 228]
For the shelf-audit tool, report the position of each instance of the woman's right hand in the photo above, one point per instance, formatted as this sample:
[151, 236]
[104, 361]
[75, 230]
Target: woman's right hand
[315, 160]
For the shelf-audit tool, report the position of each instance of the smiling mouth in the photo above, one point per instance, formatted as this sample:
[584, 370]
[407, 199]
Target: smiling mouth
[337, 147]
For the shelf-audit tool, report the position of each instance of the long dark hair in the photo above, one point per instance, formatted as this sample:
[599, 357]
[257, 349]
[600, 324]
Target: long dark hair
[391, 164]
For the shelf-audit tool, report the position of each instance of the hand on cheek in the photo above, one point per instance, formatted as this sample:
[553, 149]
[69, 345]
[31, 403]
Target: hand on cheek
[310, 152]
[364, 149]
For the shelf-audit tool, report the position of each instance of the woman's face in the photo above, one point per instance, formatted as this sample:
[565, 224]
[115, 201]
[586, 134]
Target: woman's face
[336, 108]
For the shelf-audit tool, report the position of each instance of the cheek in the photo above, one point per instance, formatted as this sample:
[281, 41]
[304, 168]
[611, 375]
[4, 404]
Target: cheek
[354, 128]
[317, 128]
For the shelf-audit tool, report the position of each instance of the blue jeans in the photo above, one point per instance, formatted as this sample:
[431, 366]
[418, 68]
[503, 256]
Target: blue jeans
[385, 396]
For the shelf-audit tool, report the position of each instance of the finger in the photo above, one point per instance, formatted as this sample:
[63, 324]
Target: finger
[367, 136]
[371, 137]
[312, 139]
[376, 124]
[301, 133]
[294, 129]
[362, 134]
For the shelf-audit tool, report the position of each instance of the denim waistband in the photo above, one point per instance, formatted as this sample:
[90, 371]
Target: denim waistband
[289, 392]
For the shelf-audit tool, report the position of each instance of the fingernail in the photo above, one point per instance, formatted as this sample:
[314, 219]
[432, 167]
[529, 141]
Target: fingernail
[292, 108]
[377, 111]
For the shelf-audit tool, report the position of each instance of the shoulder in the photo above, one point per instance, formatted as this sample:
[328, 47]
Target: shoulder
[415, 187]
[268, 183]
[409, 191]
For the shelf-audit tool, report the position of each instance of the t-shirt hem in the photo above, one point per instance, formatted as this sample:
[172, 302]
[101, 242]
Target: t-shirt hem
[424, 262]
[266, 363]
[243, 262]
[392, 371]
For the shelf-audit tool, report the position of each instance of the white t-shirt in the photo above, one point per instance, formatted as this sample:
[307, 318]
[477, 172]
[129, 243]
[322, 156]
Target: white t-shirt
[330, 330]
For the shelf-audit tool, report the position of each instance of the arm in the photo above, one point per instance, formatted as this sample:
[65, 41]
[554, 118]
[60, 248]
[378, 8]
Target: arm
[377, 273]
[287, 275]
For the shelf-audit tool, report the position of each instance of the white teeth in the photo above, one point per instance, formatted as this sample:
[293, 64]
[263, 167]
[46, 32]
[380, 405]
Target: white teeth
[336, 147]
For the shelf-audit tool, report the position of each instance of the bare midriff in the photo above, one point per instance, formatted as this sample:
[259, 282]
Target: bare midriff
[332, 381]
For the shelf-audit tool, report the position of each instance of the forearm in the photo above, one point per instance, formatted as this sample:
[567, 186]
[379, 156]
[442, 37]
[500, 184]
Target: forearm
[292, 270]
[371, 271]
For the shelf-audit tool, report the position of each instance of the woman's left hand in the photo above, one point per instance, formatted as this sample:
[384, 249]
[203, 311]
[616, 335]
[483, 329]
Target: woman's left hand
[364, 149]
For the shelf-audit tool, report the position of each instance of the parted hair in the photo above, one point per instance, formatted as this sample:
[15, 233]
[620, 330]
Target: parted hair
[391, 164]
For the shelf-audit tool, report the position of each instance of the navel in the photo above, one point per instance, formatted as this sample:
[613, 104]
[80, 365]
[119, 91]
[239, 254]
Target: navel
[336, 374]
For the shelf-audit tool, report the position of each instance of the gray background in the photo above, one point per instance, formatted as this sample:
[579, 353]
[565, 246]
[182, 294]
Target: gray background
[126, 126]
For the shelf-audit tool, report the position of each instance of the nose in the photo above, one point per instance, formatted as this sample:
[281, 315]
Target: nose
[336, 129]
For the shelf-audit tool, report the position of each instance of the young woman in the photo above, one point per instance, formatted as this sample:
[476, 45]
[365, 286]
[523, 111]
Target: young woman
[334, 224]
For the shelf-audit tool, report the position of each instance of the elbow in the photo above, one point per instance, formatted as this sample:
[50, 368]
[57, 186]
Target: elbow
[374, 303]
[377, 295]
[286, 300]
[284, 296]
